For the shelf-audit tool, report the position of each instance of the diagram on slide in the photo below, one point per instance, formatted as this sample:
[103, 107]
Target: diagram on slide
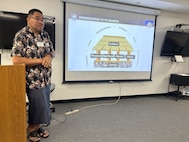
[113, 51]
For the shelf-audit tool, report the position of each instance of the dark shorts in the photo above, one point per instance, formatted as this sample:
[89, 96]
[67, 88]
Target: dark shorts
[39, 105]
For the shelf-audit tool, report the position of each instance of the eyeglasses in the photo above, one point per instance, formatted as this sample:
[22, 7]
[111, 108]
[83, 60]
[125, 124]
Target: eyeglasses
[38, 19]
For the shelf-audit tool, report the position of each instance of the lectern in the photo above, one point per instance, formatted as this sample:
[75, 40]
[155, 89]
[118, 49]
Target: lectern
[12, 103]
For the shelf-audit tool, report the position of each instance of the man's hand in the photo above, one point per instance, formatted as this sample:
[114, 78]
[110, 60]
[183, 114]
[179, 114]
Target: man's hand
[47, 61]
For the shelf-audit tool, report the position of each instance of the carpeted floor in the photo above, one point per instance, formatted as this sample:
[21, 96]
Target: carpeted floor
[155, 118]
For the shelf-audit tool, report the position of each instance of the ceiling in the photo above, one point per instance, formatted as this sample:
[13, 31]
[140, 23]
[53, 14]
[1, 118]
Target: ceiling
[180, 6]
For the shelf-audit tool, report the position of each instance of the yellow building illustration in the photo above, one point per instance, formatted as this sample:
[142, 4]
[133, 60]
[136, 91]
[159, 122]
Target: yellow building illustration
[109, 48]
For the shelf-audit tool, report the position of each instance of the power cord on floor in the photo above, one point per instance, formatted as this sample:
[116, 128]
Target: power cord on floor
[97, 105]
[59, 118]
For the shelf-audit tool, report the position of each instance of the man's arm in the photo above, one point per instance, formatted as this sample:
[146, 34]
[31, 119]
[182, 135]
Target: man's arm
[46, 61]
[26, 61]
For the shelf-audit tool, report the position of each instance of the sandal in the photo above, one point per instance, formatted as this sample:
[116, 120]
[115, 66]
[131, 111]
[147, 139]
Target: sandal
[33, 136]
[42, 132]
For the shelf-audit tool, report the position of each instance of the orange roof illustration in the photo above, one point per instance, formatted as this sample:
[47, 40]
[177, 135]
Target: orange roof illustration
[113, 43]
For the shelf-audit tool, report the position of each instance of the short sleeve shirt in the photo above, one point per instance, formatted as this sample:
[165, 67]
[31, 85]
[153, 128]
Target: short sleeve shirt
[26, 44]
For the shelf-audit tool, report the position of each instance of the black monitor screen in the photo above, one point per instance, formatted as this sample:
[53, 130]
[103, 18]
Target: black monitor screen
[12, 22]
[175, 43]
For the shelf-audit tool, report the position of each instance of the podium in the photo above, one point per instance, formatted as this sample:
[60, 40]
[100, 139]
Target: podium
[12, 103]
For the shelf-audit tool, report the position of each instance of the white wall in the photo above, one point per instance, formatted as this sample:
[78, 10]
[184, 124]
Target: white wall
[162, 66]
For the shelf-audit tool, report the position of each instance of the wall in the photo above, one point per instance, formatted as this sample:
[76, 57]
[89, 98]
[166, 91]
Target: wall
[162, 66]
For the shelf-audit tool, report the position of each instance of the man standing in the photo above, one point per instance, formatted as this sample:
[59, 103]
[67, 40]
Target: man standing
[32, 46]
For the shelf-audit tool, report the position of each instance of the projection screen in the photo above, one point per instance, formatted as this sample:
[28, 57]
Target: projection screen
[107, 45]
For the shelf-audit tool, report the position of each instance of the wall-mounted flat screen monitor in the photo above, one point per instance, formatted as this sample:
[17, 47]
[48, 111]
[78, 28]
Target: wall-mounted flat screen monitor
[12, 22]
[175, 43]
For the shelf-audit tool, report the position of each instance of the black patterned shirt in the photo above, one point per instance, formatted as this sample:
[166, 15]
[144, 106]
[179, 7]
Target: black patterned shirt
[26, 44]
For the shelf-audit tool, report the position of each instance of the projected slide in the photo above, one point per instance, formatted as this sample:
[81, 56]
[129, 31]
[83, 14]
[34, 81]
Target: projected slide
[97, 44]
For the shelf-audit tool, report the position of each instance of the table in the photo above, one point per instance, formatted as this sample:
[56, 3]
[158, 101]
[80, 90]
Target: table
[179, 80]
